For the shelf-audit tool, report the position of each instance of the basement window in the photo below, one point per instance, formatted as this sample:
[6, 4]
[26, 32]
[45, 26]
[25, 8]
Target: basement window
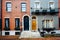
[6, 33]
[17, 33]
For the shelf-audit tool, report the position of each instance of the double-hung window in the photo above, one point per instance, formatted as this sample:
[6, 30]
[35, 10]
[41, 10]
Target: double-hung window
[47, 23]
[7, 22]
[51, 5]
[36, 5]
[17, 22]
[23, 7]
[8, 6]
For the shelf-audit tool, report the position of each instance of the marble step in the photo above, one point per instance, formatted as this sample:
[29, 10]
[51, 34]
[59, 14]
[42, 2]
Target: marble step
[29, 34]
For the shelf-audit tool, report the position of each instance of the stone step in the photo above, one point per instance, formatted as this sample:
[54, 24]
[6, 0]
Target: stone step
[29, 34]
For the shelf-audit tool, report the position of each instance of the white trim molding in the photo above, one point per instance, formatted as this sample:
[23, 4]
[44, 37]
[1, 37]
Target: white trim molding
[11, 6]
[12, 32]
[51, 1]
[17, 17]
[6, 17]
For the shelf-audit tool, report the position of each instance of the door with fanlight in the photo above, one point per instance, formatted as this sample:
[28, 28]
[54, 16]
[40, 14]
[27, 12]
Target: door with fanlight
[26, 23]
[34, 23]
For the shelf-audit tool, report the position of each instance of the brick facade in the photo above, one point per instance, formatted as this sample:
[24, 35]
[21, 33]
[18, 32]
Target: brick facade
[0, 9]
[16, 12]
[0, 12]
[59, 11]
[0, 18]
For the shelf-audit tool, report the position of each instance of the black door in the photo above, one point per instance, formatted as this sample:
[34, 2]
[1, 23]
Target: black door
[26, 23]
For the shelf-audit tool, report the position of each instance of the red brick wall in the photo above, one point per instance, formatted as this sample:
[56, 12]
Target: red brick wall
[16, 12]
[59, 11]
[0, 8]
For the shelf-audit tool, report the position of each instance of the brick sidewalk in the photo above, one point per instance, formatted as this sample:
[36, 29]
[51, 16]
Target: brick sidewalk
[53, 38]
[17, 38]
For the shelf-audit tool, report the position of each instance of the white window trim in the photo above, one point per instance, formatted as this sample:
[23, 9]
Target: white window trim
[21, 6]
[52, 18]
[45, 26]
[49, 2]
[11, 6]
[17, 17]
[35, 5]
[19, 22]
[6, 17]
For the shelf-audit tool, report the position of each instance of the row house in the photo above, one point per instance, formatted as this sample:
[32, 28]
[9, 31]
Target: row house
[33, 17]
[15, 16]
[44, 15]
[44, 18]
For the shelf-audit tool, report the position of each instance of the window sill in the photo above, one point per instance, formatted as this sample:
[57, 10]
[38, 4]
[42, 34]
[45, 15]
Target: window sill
[23, 12]
[8, 11]
[17, 28]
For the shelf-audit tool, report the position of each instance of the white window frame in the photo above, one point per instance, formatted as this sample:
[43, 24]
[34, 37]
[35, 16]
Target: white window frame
[17, 24]
[5, 22]
[37, 7]
[50, 24]
[53, 4]
[23, 8]
[10, 7]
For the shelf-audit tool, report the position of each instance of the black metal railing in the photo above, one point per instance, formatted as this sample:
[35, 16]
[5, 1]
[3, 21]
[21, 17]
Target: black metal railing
[48, 29]
[44, 11]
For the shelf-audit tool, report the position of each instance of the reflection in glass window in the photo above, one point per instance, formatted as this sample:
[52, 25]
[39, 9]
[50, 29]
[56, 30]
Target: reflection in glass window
[47, 23]
[23, 7]
[7, 22]
[17, 22]
[8, 6]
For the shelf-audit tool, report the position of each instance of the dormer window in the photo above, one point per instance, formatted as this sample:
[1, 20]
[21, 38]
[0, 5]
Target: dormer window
[51, 5]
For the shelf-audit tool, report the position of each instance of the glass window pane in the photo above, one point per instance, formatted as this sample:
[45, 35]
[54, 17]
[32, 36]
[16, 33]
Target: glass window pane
[6, 23]
[8, 9]
[51, 4]
[8, 6]
[23, 5]
[47, 24]
[17, 22]
[23, 9]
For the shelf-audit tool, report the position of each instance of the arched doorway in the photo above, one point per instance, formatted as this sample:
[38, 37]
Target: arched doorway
[26, 23]
[34, 23]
